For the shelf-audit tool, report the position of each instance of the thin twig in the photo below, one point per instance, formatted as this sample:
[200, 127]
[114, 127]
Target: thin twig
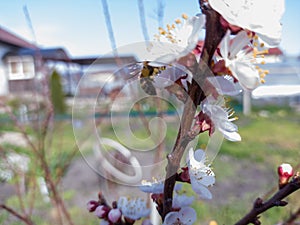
[23, 218]
[276, 200]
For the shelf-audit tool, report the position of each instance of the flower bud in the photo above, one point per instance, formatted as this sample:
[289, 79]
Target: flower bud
[114, 215]
[285, 172]
[184, 175]
[92, 205]
[101, 211]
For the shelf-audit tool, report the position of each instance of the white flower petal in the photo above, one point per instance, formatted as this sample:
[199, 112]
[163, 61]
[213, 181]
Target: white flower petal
[185, 38]
[228, 126]
[199, 155]
[155, 188]
[238, 43]
[201, 190]
[188, 215]
[185, 216]
[168, 76]
[171, 218]
[180, 201]
[262, 17]
[197, 23]
[208, 180]
[224, 45]
[220, 119]
[134, 208]
[231, 136]
[224, 86]
[246, 73]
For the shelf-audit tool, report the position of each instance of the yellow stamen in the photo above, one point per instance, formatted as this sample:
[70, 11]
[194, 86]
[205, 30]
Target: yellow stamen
[262, 75]
[162, 32]
[169, 27]
[184, 16]
[262, 45]
[262, 80]
[177, 21]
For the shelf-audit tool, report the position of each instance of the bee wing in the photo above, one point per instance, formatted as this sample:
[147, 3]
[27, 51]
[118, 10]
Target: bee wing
[130, 71]
[170, 75]
[225, 85]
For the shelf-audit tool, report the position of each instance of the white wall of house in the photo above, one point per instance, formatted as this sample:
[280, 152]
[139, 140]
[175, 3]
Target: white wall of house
[3, 75]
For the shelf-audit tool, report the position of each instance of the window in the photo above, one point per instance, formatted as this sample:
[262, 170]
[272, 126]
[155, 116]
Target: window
[20, 67]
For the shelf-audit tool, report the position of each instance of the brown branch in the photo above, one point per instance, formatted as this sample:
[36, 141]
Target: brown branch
[23, 218]
[214, 35]
[276, 200]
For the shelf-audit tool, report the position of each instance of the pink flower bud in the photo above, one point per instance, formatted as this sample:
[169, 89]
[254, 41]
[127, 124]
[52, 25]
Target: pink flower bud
[184, 175]
[285, 172]
[92, 205]
[114, 215]
[101, 211]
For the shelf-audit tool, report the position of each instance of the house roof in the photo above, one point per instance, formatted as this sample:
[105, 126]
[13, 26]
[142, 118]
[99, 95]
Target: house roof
[105, 60]
[56, 54]
[14, 40]
[275, 51]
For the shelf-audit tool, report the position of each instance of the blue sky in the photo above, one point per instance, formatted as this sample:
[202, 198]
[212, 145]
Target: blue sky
[79, 25]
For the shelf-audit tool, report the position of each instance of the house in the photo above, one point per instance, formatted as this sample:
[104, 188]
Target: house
[12, 68]
[21, 62]
[274, 55]
[99, 74]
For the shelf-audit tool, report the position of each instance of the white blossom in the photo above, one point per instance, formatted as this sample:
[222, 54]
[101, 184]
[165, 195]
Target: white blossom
[201, 176]
[156, 187]
[183, 200]
[133, 208]
[185, 216]
[221, 118]
[177, 41]
[240, 60]
[260, 16]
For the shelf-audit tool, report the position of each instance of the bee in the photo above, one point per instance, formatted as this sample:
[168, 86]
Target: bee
[147, 77]
[146, 72]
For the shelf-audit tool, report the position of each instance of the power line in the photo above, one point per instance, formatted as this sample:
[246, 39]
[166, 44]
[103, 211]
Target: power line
[29, 23]
[109, 27]
[143, 20]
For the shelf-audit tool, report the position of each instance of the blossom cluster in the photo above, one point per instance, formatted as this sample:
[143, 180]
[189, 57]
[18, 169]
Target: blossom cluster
[124, 211]
[236, 62]
[196, 173]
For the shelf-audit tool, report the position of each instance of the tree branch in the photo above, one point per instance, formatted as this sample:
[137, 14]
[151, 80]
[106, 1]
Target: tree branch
[25, 219]
[214, 34]
[276, 200]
